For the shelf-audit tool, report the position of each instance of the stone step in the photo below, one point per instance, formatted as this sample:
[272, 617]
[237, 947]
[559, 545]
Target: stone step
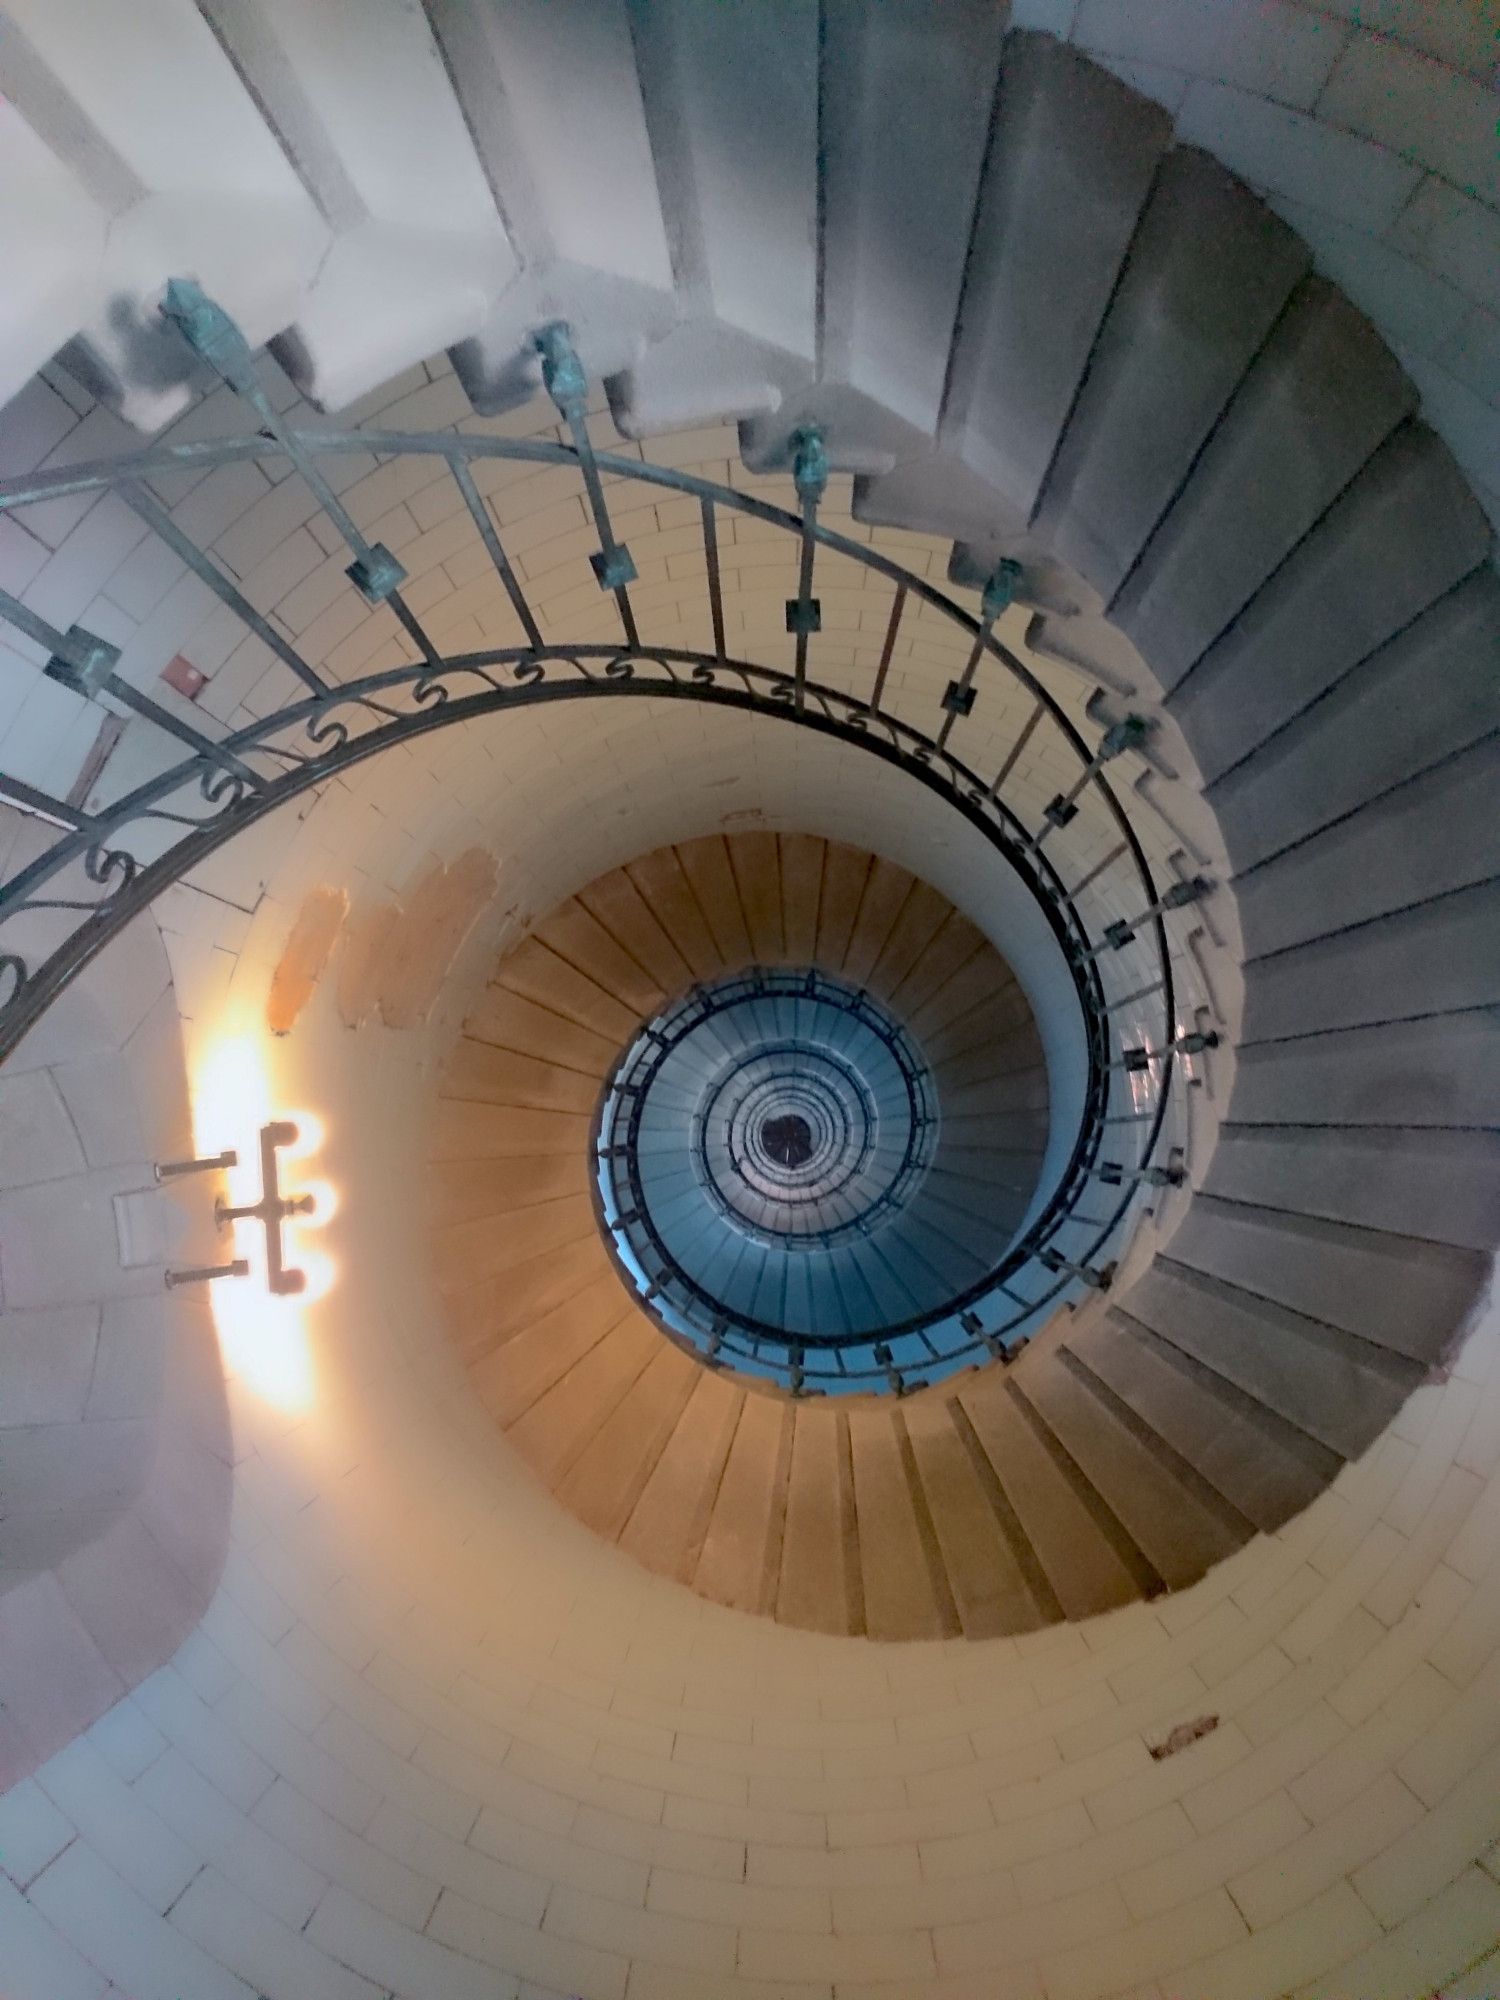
[659, 879]
[468, 1190]
[580, 940]
[1209, 270]
[896, 202]
[514, 1373]
[1401, 850]
[487, 1313]
[1440, 957]
[538, 974]
[905, 1586]
[1442, 1070]
[1439, 675]
[1179, 1532]
[1265, 1470]
[1338, 1389]
[617, 906]
[483, 1074]
[1080, 1564]
[1397, 1291]
[1322, 395]
[947, 953]
[742, 1541]
[506, 1020]
[705, 863]
[1441, 1185]
[608, 1477]
[988, 1582]
[1403, 534]
[819, 1586]
[669, 1522]
[557, 1429]
[1071, 162]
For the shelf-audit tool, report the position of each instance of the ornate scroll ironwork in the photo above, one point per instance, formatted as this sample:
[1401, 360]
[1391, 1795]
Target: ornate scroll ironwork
[79, 874]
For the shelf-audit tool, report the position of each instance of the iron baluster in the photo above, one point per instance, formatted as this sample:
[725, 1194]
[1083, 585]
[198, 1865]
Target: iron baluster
[41, 805]
[214, 338]
[1128, 999]
[1117, 935]
[898, 606]
[1097, 1277]
[496, 551]
[333, 745]
[1114, 1175]
[715, 581]
[804, 614]
[1129, 734]
[1105, 861]
[1017, 749]
[161, 524]
[998, 595]
[567, 385]
[1194, 1043]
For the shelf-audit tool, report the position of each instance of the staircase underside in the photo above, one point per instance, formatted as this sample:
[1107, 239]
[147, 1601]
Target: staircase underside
[1046, 332]
[1122, 1455]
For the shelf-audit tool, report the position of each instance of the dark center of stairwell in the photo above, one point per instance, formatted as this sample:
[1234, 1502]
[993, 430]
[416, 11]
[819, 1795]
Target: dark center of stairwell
[787, 1140]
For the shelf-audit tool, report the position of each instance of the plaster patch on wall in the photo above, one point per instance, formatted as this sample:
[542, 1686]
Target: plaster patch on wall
[305, 956]
[436, 917]
[356, 989]
[397, 954]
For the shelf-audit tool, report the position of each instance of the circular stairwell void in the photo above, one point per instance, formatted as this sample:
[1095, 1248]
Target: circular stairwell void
[1337, 1240]
[771, 1160]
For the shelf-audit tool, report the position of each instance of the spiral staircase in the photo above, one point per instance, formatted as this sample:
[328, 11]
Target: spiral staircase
[1055, 459]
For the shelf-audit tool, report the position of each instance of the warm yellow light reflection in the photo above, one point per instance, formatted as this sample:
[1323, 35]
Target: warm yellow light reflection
[263, 1338]
[325, 1200]
[311, 1133]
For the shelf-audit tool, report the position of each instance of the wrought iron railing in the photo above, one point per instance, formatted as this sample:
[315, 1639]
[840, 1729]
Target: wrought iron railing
[80, 874]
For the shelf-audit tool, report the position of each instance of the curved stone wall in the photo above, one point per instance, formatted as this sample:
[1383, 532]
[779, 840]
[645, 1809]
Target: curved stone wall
[115, 1455]
[432, 1736]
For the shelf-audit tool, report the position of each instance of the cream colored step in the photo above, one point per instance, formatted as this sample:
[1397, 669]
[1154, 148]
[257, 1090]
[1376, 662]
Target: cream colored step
[610, 1474]
[820, 1586]
[669, 1522]
[1180, 1532]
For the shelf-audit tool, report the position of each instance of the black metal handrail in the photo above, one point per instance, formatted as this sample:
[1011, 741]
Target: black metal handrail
[91, 871]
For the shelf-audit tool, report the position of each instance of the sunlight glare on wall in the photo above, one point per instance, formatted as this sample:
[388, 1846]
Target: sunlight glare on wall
[263, 1338]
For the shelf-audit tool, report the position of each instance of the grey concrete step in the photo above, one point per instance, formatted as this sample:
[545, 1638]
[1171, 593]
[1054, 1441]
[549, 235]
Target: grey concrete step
[1025, 1090]
[730, 101]
[1320, 398]
[967, 1015]
[1440, 957]
[1021, 1133]
[1441, 676]
[1314, 1375]
[896, 201]
[1087, 1563]
[1444, 1070]
[1441, 1185]
[990, 1167]
[1265, 1468]
[1438, 833]
[1403, 534]
[1019, 1055]
[1398, 1291]
[1178, 1534]
[1071, 163]
[998, 1198]
[1208, 272]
